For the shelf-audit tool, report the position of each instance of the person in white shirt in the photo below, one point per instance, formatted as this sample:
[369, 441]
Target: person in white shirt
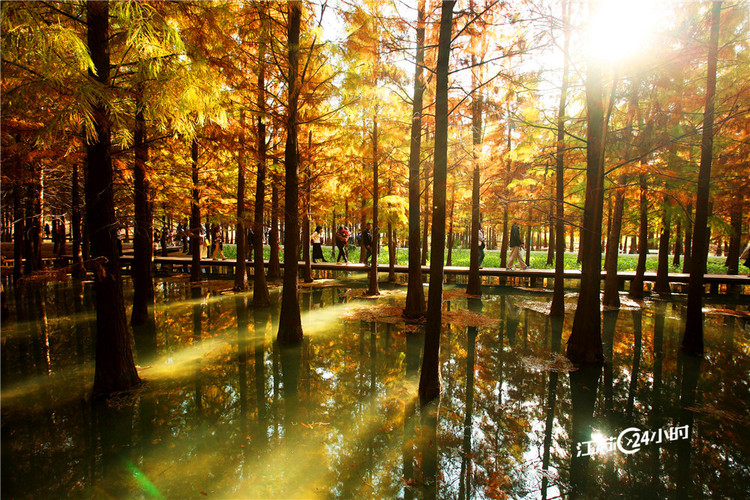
[317, 244]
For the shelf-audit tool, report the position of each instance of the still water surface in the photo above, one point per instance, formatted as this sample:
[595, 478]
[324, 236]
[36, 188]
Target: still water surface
[227, 413]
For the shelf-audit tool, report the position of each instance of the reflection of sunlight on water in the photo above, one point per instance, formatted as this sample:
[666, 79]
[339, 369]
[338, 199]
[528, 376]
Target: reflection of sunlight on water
[182, 363]
[66, 384]
[305, 460]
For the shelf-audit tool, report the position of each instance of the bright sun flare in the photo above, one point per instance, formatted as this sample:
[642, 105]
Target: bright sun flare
[622, 28]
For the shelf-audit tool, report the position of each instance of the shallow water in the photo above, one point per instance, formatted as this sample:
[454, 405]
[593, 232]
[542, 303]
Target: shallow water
[226, 413]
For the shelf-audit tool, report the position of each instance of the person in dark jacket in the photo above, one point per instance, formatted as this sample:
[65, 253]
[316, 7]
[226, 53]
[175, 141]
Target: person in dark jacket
[515, 247]
[367, 242]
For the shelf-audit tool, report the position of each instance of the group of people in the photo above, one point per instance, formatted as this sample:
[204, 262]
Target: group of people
[342, 239]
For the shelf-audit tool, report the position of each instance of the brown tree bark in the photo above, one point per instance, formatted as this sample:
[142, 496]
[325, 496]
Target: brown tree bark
[661, 286]
[195, 217]
[636, 285]
[374, 288]
[611, 297]
[474, 285]
[585, 342]
[557, 308]
[18, 232]
[688, 260]
[692, 341]
[274, 266]
[290, 323]
[415, 305]
[240, 270]
[79, 271]
[114, 367]
[261, 297]
[143, 282]
[429, 381]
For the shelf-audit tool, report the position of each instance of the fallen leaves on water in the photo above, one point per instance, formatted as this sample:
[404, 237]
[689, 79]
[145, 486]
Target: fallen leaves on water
[558, 363]
[393, 314]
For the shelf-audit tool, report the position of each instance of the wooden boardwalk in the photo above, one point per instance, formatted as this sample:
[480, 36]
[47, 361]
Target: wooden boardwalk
[532, 274]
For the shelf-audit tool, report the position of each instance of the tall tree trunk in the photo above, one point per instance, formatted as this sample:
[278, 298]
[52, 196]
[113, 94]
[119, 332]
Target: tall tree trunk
[735, 240]
[114, 367]
[18, 232]
[557, 308]
[636, 286]
[195, 217]
[391, 243]
[240, 270]
[611, 297]
[143, 282]
[551, 243]
[374, 289]
[451, 236]
[274, 267]
[688, 260]
[585, 342]
[290, 323]
[426, 223]
[474, 285]
[693, 339]
[307, 269]
[678, 243]
[429, 381]
[661, 286]
[261, 297]
[79, 270]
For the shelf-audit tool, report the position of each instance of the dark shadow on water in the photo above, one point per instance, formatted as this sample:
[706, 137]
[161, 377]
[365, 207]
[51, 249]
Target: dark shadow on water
[583, 386]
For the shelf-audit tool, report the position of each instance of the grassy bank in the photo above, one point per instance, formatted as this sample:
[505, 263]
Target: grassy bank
[625, 262]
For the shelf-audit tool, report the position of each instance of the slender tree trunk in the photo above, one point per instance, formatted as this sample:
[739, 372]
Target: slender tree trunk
[611, 296]
[195, 217]
[636, 286]
[693, 340]
[688, 260]
[374, 288]
[261, 297]
[290, 324]
[677, 244]
[551, 243]
[18, 232]
[79, 270]
[426, 223]
[415, 305]
[474, 285]
[143, 281]
[451, 237]
[240, 270]
[307, 269]
[274, 267]
[585, 342]
[429, 382]
[661, 286]
[557, 308]
[391, 243]
[114, 368]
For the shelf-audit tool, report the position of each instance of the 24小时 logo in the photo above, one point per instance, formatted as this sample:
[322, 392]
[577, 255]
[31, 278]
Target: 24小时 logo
[631, 440]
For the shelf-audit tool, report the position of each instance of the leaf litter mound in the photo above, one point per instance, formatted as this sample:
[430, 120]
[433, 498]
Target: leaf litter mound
[387, 313]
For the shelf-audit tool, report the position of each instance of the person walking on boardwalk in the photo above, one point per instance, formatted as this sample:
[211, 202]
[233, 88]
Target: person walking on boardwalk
[342, 237]
[515, 247]
[367, 242]
[482, 243]
[317, 245]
